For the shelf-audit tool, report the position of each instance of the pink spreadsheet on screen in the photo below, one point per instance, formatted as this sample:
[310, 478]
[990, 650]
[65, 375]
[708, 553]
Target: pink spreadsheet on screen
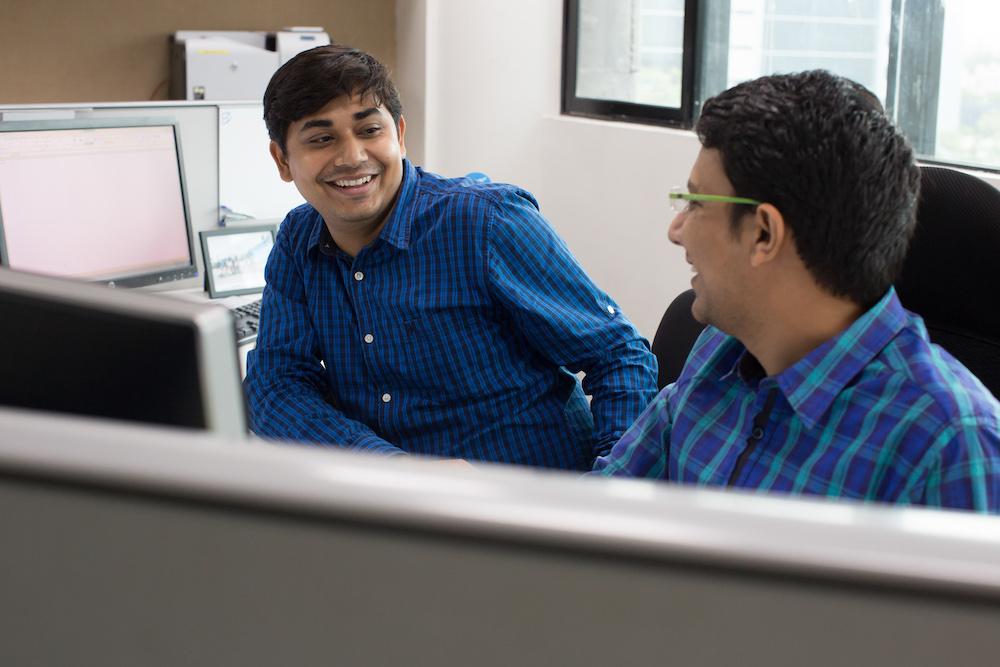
[92, 203]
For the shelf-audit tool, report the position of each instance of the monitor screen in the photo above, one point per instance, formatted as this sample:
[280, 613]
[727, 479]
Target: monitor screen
[95, 200]
[235, 258]
[119, 354]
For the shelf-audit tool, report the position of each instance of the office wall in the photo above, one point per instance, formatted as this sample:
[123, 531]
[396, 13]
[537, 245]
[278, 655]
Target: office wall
[118, 50]
[491, 103]
[411, 72]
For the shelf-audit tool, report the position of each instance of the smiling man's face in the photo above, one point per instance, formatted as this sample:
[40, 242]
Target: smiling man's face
[347, 161]
[718, 257]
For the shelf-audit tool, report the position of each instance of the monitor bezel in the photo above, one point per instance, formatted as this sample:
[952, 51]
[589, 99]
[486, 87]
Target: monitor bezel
[206, 256]
[222, 400]
[137, 280]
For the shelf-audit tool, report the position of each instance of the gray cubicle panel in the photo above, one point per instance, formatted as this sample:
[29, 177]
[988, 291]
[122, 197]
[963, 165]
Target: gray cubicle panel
[249, 183]
[135, 546]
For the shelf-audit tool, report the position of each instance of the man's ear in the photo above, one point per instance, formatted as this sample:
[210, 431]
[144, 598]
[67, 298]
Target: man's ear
[279, 159]
[770, 234]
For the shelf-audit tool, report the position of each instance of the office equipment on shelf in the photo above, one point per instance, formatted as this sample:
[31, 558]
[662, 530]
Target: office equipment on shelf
[233, 65]
[127, 355]
[247, 321]
[176, 547]
[235, 257]
[101, 200]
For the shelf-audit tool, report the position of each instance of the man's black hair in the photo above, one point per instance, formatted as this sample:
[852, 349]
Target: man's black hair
[306, 83]
[815, 146]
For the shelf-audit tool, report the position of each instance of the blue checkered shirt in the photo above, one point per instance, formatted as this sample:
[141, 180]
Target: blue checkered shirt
[876, 413]
[457, 333]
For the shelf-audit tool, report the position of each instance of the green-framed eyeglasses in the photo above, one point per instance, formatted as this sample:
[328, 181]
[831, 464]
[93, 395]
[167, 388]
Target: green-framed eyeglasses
[679, 199]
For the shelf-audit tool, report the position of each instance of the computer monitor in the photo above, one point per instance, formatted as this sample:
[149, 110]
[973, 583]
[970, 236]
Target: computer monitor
[85, 349]
[100, 200]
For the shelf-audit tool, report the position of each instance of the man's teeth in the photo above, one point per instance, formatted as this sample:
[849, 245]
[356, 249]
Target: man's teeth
[353, 182]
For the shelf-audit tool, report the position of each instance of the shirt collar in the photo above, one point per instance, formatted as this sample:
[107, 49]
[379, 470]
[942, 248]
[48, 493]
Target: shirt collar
[812, 383]
[396, 230]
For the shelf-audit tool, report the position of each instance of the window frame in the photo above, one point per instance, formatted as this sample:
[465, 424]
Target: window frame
[704, 63]
[617, 110]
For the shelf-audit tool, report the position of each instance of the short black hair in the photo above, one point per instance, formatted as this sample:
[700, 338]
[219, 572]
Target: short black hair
[306, 83]
[845, 180]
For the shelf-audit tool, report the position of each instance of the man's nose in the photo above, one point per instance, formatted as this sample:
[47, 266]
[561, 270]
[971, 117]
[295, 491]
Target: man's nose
[352, 152]
[676, 226]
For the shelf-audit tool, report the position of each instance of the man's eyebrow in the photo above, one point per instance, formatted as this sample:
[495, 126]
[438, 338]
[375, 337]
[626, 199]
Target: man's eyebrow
[316, 122]
[361, 115]
[323, 122]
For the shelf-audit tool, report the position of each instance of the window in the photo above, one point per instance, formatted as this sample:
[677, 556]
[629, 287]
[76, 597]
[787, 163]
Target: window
[935, 64]
[629, 59]
[967, 123]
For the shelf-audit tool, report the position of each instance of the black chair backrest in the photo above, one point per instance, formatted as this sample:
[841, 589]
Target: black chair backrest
[951, 277]
[675, 336]
[952, 272]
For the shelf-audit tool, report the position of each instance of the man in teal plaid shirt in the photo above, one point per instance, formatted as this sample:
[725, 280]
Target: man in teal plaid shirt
[810, 377]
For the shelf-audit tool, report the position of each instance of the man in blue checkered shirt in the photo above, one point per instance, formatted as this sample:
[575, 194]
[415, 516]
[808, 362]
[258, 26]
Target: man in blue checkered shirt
[810, 377]
[409, 313]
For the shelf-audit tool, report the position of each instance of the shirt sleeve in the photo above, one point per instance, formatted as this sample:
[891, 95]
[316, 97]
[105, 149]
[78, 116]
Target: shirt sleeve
[567, 318]
[644, 450]
[963, 467]
[286, 388]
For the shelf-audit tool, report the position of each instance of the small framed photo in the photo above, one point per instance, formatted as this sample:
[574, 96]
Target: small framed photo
[235, 258]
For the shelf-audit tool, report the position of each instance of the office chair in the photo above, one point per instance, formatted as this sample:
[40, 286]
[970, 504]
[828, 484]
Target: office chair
[675, 336]
[951, 277]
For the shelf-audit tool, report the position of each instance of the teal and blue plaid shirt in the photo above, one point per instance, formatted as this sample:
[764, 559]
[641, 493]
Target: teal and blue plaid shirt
[876, 413]
[456, 333]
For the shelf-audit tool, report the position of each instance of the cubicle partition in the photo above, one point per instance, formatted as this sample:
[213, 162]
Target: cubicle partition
[128, 545]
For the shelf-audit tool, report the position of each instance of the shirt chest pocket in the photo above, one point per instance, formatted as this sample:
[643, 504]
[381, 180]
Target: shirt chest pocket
[446, 351]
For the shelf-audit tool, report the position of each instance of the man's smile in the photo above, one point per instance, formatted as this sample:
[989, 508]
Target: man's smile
[354, 185]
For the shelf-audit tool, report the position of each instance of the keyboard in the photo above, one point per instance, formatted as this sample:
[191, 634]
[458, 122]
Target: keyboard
[247, 319]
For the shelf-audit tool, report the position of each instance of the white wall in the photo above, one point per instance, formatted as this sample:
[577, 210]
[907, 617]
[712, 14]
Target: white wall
[486, 79]
[490, 103]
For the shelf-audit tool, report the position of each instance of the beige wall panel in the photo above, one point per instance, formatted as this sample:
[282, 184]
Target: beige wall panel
[119, 50]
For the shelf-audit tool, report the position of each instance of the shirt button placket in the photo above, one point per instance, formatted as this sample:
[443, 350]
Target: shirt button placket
[369, 338]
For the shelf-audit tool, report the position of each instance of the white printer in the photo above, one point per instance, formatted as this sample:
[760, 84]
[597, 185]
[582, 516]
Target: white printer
[233, 65]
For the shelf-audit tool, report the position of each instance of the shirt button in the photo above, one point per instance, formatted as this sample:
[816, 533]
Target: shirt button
[758, 433]
[359, 276]
[369, 338]
[611, 309]
[386, 398]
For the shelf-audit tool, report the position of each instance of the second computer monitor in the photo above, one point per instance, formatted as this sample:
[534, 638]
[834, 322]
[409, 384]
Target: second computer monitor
[99, 200]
